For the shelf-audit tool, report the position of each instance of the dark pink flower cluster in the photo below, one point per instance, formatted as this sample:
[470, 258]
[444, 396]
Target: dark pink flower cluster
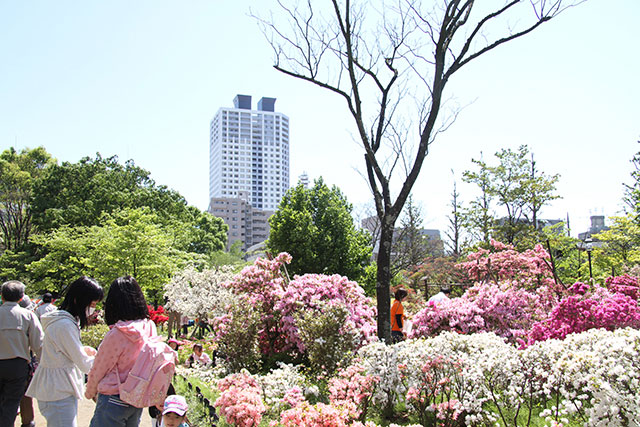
[599, 308]
[624, 284]
[504, 263]
[508, 311]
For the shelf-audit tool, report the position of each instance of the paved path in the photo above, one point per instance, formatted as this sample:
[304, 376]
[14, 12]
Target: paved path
[85, 412]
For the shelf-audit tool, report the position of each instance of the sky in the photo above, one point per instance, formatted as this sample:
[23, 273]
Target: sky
[142, 80]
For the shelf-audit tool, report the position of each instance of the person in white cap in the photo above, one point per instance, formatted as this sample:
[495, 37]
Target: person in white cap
[174, 413]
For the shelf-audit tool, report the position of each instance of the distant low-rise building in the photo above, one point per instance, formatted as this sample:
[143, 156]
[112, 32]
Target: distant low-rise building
[597, 225]
[246, 224]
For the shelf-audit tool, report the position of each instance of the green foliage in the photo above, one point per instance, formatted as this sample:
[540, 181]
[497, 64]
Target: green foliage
[568, 261]
[620, 248]
[368, 279]
[234, 257]
[18, 171]
[326, 342]
[131, 241]
[632, 192]
[93, 335]
[198, 414]
[315, 226]
[79, 194]
[517, 188]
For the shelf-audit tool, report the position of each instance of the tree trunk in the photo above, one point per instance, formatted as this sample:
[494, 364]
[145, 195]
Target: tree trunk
[384, 279]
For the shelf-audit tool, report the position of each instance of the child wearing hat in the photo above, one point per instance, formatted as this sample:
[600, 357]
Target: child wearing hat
[174, 413]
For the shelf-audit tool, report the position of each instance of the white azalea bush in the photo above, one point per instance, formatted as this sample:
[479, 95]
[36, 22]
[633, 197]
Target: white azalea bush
[279, 384]
[591, 378]
[200, 294]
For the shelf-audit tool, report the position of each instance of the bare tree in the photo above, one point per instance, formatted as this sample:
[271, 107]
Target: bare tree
[375, 56]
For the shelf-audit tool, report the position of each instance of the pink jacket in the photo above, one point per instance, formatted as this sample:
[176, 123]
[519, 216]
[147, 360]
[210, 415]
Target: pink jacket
[120, 348]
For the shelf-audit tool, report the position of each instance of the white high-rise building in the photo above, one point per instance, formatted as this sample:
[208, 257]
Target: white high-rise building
[249, 153]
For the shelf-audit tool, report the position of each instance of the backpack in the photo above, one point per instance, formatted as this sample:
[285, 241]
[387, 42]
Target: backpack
[149, 378]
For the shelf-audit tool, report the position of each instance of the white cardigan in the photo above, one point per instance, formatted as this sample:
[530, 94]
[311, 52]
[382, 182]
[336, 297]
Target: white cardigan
[60, 372]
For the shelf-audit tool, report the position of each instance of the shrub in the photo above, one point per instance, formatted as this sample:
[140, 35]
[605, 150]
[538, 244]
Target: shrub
[587, 309]
[506, 310]
[238, 338]
[93, 335]
[240, 400]
[326, 337]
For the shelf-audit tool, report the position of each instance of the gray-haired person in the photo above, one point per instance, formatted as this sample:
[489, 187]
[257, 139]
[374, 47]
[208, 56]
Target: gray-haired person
[20, 333]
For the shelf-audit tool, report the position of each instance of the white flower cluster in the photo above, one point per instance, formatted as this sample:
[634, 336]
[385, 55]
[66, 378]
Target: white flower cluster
[206, 375]
[382, 360]
[591, 378]
[200, 294]
[276, 384]
[598, 376]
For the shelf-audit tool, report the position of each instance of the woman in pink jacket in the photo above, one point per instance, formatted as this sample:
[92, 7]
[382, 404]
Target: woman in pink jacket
[126, 313]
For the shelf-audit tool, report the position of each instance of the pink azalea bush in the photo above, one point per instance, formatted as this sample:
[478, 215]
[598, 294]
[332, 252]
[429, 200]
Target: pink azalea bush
[240, 401]
[624, 284]
[316, 292]
[587, 309]
[506, 310]
[318, 415]
[353, 390]
[438, 382]
[265, 288]
[262, 284]
[502, 262]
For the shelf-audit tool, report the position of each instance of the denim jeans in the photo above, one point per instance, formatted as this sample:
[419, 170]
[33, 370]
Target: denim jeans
[60, 413]
[113, 412]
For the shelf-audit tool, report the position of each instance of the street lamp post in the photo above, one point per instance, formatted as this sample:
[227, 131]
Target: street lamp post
[589, 248]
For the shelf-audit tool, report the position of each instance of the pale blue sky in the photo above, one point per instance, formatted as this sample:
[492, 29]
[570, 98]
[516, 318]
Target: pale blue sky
[142, 79]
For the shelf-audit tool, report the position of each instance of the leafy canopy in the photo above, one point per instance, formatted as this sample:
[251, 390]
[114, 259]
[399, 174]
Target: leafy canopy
[315, 226]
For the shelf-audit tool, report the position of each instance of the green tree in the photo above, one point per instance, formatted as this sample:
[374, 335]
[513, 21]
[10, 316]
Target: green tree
[632, 191]
[316, 228]
[516, 187]
[79, 194]
[478, 218]
[620, 250]
[454, 230]
[18, 171]
[129, 241]
[411, 246]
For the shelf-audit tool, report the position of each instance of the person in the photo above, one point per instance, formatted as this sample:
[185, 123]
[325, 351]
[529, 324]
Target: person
[184, 321]
[155, 412]
[198, 357]
[126, 312]
[442, 295]
[20, 334]
[46, 306]
[174, 413]
[398, 317]
[174, 344]
[27, 415]
[58, 382]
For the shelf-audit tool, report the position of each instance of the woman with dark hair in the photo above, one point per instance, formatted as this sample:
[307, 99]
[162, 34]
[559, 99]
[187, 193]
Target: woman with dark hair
[58, 382]
[126, 312]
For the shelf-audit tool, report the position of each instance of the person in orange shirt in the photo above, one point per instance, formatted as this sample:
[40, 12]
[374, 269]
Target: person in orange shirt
[398, 317]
